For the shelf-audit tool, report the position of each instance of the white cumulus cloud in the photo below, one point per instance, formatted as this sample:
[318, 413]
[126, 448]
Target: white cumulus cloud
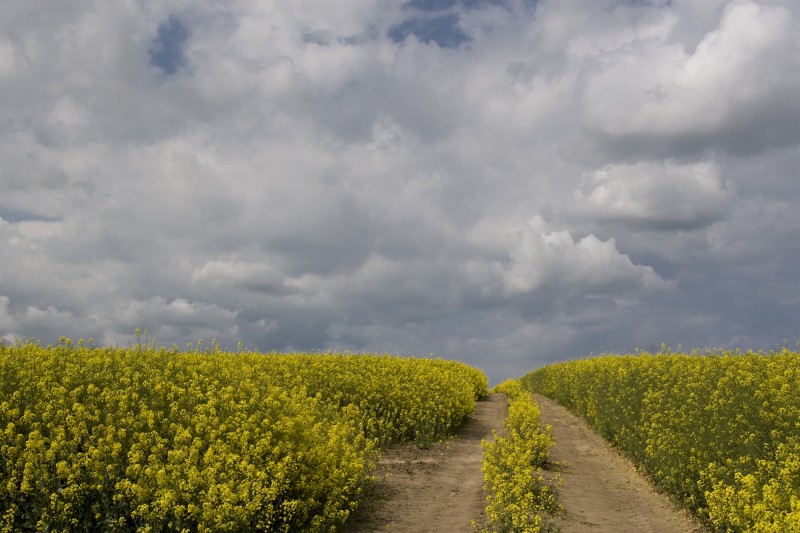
[505, 182]
[741, 77]
[586, 266]
[654, 195]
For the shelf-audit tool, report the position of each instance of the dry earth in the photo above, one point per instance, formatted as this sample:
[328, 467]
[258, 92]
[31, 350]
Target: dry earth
[602, 491]
[436, 489]
[439, 489]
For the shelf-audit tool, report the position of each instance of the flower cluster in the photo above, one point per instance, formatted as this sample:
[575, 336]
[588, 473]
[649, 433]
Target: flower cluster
[151, 439]
[518, 494]
[717, 430]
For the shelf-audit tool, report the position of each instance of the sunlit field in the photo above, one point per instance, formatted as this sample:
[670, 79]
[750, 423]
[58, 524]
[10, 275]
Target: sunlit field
[719, 431]
[154, 439]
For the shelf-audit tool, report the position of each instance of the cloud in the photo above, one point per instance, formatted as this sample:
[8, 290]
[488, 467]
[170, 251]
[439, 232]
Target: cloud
[657, 196]
[731, 93]
[8, 324]
[178, 318]
[588, 266]
[256, 277]
[505, 182]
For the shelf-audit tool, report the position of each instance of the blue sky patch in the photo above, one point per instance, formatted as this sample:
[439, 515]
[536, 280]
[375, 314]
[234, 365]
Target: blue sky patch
[432, 5]
[475, 4]
[442, 30]
[442, 5]
[166, 50]
[13, 216]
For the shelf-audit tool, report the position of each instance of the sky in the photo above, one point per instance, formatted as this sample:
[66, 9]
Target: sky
[508, 183]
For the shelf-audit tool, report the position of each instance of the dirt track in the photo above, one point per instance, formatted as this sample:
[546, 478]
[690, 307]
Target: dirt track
[440, 489]
[602, 491]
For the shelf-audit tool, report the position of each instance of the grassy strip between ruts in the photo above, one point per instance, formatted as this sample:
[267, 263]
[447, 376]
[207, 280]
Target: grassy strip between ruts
[519, 496]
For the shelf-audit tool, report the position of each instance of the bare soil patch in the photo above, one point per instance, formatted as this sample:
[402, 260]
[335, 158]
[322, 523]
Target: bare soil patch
[439, 489]
[602, 490]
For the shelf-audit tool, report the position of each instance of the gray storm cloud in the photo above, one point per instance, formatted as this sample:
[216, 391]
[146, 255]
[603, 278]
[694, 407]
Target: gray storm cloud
[508, 182]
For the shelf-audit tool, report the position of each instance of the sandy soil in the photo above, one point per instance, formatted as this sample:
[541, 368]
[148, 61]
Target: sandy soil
[602, 491]
[437, 489]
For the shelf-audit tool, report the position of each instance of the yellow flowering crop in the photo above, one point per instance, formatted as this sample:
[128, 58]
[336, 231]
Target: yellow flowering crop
[519, 497]
[147, 439]
[719, 431]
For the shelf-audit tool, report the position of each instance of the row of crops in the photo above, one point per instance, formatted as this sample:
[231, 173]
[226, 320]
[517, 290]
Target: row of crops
[152, 439]
[719, 431]
[520, 497]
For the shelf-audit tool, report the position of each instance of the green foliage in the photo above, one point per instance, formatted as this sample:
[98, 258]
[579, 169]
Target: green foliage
[151, 439]
[718, 431]
[519, 496]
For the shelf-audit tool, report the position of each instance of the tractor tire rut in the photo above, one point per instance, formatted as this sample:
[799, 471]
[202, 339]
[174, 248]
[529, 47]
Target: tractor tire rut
[602, 491]
[439, 489]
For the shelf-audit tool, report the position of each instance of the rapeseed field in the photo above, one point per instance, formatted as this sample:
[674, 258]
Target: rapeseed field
[155, 439]
[718, 430]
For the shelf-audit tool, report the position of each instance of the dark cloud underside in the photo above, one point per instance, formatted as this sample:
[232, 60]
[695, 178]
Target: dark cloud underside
[504, 182]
